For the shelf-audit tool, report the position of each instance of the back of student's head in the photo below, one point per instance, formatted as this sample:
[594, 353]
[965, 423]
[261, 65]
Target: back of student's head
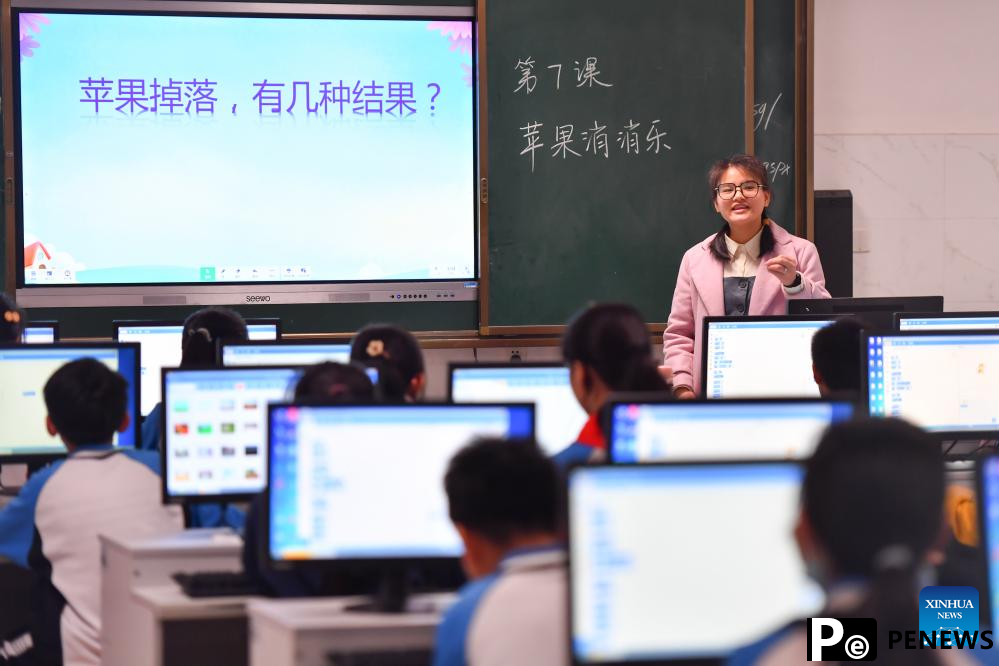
[202, 331]
[331, 382]
[11, 320]
[86, 401]
[836, 355]
[613, 341]
[873, 496]
[503, 489]
[397, 357]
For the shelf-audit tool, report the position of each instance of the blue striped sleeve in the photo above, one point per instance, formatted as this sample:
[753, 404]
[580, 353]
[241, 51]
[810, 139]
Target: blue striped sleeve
[17, 519]
[452, 634]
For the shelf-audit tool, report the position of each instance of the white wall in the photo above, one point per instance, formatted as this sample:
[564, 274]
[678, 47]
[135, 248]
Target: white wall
[907, 117]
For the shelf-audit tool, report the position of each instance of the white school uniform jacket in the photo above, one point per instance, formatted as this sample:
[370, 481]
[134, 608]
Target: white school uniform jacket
[517, 616]
[52, 526]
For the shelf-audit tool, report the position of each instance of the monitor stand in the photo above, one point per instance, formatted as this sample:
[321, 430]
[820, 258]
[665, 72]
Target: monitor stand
[391, 595]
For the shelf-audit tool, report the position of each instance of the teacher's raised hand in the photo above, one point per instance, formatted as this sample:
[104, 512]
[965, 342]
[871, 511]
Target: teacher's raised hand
[784, 269]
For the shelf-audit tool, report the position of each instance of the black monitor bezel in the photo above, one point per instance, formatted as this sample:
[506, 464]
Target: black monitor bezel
[165, 495]
[899, 316]
[706, 324]
[644, 399]
[354, 564]
[861, 306]
[133, 379]
[491, 365]
[865, 389]
[567, 517]
[46, 323]
[279, 342]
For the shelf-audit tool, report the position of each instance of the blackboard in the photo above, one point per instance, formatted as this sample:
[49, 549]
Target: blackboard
[568, 230]
[774, 112]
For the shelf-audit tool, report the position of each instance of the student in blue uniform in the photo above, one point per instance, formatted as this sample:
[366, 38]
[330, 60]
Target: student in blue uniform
[325, 383]
[607, 349]
[503, 498]
[52, 526]
[396, 354]
[871, 516]
[199, 344]
[11, 320]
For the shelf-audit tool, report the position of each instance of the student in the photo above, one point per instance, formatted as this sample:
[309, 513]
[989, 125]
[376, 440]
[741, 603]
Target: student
[503, 498]
[607, 349]
[199, 344]
[324, 383]
[836, 362]
[750, 267]
[11, 320]
[51, 527]
[872, 503]
[396, 354]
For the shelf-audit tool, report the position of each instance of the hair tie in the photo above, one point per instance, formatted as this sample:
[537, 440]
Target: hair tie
[896, 557]
[375, 349]
[201, 331]
[12, 317]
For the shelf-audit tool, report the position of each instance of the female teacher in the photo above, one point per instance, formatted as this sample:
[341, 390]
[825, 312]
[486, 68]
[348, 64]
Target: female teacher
[751, 266]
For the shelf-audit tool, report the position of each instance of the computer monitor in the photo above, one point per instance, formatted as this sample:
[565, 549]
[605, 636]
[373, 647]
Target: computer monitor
[644, 431]
[946, 321]
[877, 311]
[560, 418]
[24, 370]
[945, 382]
[683, 561]
[161, 348]
[988, 520]
[362, 485]
[215, 430]
[40, 332]
[285, 352]
[759, 357]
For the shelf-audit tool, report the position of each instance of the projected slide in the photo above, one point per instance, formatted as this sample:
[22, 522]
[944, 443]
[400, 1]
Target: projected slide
[222, 149]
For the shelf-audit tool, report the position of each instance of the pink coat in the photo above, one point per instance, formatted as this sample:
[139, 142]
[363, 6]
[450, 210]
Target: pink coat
[699, 294]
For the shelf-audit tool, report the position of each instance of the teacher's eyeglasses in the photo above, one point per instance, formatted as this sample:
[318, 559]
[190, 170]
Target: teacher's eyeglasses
[749, 189]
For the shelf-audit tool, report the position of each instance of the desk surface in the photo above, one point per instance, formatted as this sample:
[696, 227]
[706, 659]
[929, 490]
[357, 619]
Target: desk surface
[331, 613]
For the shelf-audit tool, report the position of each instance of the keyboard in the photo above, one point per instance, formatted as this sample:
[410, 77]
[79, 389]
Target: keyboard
[380, 658]
[202, 584]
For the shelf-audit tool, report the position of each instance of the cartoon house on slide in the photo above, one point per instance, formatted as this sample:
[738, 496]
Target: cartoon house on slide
[36, 256]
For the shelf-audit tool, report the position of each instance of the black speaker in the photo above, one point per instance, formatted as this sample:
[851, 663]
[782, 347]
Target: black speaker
[834, 239]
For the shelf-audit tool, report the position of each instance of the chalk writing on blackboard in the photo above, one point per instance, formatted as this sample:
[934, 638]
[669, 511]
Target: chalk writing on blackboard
[587, 74]
[777, 169]
[563, 137]
[533, 135]
[594, 140]
[763, 112]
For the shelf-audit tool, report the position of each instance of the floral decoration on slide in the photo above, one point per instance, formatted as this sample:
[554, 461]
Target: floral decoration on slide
[459, 34]
[28, 24]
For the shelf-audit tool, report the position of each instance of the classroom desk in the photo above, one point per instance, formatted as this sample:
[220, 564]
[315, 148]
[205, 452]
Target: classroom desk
[191, 632]
[129, 621]
[306, 632]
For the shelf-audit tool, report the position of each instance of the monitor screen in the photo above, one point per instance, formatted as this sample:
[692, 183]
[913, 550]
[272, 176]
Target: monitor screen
[560, 418]
[942, 382]
[988, 519]
[40, 333]
[161, 348]
[286, 352]
[366, 482]
[127, 112]
[720, 429]
[951, 321]
[765, 357]
[24, 370]
[215, 430]
[660, 554]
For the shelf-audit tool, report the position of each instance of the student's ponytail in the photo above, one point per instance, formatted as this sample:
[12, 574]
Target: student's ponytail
[612, 340]
[395, 354]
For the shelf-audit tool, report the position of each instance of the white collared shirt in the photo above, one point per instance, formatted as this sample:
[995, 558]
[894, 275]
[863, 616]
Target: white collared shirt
[745, 261]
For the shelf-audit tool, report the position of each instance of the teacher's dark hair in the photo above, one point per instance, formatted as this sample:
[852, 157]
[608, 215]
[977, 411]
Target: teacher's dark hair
[612, 340]
[759, 171]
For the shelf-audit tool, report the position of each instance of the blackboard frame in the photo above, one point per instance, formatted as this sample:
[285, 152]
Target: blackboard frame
[802, 168]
